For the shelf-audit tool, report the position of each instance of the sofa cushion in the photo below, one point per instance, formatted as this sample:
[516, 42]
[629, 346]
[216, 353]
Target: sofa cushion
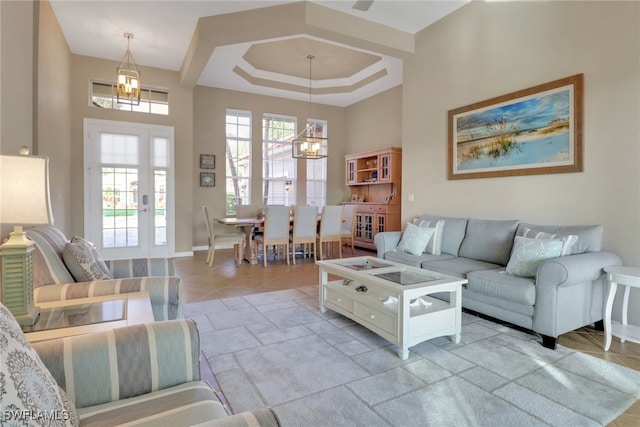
[489, 240]
[459, 266]
[27, 386]
[529, 253]
[413, 260]
[434, 246]
[499, 284]
[589, 236]
[414, 239]
[83, 261]
[48, 266]
[453, 232]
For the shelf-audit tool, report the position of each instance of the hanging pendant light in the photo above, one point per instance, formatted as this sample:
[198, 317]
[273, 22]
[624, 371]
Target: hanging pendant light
[311, 142]
[128, 81]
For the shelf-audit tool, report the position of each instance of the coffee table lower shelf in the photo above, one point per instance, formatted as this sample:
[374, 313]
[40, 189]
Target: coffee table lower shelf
[405, 330]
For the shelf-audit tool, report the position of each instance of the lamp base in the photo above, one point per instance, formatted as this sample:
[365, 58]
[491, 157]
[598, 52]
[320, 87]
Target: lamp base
[29, 318]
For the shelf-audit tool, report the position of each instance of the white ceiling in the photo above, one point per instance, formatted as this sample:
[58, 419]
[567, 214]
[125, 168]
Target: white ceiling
[163, 32]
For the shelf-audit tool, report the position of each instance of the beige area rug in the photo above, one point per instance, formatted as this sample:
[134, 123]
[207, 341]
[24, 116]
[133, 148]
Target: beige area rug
[276, 349]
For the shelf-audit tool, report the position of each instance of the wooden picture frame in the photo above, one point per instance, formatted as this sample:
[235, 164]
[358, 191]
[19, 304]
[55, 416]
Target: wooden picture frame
[207, 179]
[207, 161]
[529, 132]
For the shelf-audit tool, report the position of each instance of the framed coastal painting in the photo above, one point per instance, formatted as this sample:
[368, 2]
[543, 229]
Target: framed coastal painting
[529, 132]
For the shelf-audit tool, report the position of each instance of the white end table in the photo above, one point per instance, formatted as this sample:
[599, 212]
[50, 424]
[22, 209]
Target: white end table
[629, 277]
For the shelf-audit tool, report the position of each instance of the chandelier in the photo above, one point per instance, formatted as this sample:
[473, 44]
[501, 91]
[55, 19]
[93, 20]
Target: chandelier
[128, 81]
[311, 142]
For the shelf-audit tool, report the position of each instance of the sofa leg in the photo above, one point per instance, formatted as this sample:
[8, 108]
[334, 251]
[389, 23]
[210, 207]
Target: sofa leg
[549, 342]
[599, 325]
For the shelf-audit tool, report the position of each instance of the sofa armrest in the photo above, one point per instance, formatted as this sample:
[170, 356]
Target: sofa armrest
[125, 362]
[141, 267]
[386, 241]
[570, 286]
[165, 293]
[572, 269]
[262, 417]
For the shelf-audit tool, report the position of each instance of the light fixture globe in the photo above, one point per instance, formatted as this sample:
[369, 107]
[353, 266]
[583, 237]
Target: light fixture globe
[128, 78]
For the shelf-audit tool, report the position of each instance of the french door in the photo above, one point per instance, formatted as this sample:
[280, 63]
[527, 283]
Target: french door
[129, 189]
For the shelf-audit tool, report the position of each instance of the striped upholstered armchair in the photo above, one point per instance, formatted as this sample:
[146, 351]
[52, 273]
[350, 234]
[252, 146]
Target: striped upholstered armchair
[140, 375]
[56, 278]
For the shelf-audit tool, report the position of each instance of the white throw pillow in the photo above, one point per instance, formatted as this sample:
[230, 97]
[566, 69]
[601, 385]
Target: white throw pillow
[528, 254]
[569, 240]
[435, 244]
[414, 239]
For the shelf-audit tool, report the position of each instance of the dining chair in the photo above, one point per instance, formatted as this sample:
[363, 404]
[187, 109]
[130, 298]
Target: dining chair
[349, 225]
[305, 230]
[237, 239]
[330, 228]
[276, 230]
[246, 211]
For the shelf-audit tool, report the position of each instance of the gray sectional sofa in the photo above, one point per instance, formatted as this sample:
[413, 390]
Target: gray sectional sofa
[566, 293]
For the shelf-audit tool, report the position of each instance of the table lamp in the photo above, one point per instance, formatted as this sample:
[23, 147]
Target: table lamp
[24, 200]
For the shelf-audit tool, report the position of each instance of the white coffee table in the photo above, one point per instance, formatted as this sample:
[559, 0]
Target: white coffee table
[79, 316]
[393, 300]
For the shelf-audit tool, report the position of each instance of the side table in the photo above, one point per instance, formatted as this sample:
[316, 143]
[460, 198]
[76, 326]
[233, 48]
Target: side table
[79, 316]
[629, 277]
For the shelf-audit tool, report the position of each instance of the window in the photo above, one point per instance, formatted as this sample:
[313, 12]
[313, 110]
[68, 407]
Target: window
[153, 101]
[278, 166]
[238, 160]
[317, 171]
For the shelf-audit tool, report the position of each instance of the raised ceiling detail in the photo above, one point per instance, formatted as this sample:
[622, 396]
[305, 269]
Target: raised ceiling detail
[289, 57]
[206, 41]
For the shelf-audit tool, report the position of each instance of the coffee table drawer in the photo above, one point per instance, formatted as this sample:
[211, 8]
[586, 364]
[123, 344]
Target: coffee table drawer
[339, 300]
[382, 320]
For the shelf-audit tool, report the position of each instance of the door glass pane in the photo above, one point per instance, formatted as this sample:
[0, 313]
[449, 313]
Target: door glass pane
[160, 217]
[119, 207]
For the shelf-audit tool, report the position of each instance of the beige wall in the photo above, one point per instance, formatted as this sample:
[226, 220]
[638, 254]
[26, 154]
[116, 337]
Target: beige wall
[375, 122]
[487, 49]
[210, 105]
[54, 112]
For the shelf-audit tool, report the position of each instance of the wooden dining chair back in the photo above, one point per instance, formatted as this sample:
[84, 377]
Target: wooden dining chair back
[349, 225]
[236, 239]
[305, 231]
[330, 228]
[246, 211]
[276, 230]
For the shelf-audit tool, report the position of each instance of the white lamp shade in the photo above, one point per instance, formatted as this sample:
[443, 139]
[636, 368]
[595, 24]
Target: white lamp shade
[24, 190]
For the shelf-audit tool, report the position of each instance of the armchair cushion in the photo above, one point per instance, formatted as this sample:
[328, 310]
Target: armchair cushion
[83, 261]
[27, 388]
[48, 265]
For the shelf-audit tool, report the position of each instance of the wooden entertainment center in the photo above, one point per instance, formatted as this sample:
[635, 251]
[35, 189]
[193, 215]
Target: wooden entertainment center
[374, 179]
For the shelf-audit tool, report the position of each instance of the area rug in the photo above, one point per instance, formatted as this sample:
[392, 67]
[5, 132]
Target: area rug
[276, 349]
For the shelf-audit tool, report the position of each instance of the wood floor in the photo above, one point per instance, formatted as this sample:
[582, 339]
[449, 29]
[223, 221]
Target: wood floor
[226, 279]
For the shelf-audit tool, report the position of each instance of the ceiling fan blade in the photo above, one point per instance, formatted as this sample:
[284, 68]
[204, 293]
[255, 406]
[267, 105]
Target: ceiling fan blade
[363, 5]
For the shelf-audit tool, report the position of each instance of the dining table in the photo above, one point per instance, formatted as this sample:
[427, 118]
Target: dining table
[248, 225]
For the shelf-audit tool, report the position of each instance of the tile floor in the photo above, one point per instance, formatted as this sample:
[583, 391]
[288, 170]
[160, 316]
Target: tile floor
[225, 279]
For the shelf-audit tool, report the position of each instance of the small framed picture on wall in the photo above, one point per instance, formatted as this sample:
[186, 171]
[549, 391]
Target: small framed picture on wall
[207, 161]
[207, 179]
